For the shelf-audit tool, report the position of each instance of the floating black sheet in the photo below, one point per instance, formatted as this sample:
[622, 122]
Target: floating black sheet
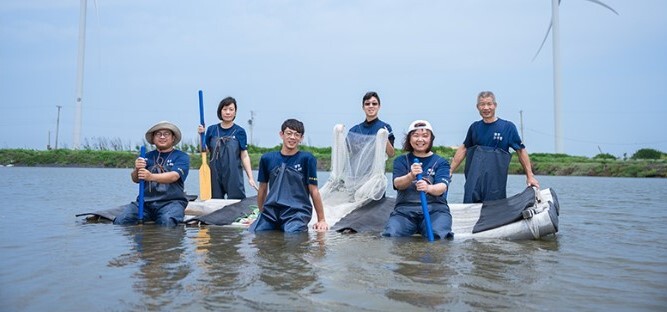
[102, 215]
[496, 213]
[228, 214]
[369, 218]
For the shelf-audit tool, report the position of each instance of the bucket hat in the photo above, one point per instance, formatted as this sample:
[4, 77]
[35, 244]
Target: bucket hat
[164, 125]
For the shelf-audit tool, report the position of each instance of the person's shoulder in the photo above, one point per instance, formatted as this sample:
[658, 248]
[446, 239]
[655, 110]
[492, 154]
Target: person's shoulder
[238, 128]
[356, 127]
[505, 122]
[306, 154]
[151, 153]
[476, 124]
[271, 154]
[440, 158]
[384, 123]
[181, 154]
[402, 158]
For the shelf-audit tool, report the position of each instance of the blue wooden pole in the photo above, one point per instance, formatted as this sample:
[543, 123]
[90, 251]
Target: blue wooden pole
[427, 216]
[141, 190]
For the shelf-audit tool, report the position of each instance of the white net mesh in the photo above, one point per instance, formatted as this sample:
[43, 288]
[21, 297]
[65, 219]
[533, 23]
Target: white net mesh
[357, 173]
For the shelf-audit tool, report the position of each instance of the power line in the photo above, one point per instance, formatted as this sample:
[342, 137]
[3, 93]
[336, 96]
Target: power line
[596, 142]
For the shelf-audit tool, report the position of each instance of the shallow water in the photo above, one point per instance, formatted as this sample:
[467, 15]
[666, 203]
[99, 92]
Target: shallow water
[609, 255]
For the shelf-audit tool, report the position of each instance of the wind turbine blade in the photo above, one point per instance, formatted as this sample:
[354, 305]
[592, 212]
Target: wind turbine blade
[543, 41]
[598, 2]
[551, 23]
[604, 5]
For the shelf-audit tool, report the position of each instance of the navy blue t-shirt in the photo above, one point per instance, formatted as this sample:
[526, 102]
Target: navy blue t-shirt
[499, 134]
[435, 170]
[214, 132]
[303, 162]
[157, 162]
[372, 128]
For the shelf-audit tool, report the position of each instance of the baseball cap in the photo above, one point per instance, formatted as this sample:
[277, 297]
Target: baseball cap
[420, 124]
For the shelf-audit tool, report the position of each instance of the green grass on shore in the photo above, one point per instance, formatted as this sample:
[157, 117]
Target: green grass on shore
[543, 164]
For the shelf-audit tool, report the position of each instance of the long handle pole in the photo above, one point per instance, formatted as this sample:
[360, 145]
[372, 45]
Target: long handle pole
[141, 190]
[204, 170]
[201, 118]
[427, 216]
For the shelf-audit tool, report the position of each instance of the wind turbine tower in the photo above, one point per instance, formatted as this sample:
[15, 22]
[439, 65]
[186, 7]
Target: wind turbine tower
[555, 25]
[79, 75]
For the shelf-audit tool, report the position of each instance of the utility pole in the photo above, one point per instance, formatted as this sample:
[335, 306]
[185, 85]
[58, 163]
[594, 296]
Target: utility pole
[251, 123]
[57, 125]
[523, 139]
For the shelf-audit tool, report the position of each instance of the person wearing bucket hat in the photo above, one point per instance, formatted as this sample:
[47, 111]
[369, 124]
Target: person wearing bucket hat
[164, 171]
[164, 125]
[227, 143]
[408, 217]
[486, 150]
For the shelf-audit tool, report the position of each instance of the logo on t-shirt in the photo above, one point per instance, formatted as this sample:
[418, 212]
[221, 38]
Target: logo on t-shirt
[497, 136]
[297, 167]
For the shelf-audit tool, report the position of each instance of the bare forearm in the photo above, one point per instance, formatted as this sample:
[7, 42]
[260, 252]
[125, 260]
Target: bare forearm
[317, 203]
[436, 189]
[458, 158]
[524, 160]
[261, 196]
[135, 176]
[164, 178]
[245, 161]
[403, 182]
[390, 150]
[527, 167]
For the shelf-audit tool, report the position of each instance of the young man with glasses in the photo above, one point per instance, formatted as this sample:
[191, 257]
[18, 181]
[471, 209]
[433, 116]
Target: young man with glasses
[372, 124]
[164, 171]
[287, 183]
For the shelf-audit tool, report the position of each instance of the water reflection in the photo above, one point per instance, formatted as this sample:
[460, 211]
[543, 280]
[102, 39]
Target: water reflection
[283, 260]
[222, 258]
[425, 267]
[158, 252]
[502, 273]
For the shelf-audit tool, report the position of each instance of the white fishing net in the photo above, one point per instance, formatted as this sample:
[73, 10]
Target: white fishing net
[357, 173]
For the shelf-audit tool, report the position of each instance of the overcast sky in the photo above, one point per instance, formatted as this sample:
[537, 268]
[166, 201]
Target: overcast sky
[314, 60]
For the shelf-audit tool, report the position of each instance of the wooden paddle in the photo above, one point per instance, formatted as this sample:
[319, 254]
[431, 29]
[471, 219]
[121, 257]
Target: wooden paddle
[141, 190]
[427, 216]
[204, 170]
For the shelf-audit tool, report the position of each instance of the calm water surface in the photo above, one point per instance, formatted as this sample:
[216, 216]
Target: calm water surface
[610, 254]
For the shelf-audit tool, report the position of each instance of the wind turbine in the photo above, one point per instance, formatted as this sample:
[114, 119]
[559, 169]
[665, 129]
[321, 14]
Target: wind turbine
[79, 71]
[555, 25]
[79, 74]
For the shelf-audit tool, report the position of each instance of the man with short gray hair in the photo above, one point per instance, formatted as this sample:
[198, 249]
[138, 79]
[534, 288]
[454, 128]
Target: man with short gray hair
[486, 149]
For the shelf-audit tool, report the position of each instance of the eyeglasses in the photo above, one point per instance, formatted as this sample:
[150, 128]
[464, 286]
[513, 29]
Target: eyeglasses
[293, 134]
[164, 134]
[371, 103]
